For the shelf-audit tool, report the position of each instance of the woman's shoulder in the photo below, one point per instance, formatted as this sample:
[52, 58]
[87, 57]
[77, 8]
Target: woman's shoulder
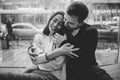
[40, 37]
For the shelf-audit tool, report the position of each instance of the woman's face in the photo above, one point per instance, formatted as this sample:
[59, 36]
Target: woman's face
[56, 23]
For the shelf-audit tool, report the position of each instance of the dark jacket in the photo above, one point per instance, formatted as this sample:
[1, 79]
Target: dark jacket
[86, 40]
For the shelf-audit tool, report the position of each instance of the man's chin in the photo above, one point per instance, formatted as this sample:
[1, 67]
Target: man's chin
[69, 29]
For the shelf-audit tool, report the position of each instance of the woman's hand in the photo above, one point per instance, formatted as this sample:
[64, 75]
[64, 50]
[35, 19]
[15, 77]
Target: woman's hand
[67, 49]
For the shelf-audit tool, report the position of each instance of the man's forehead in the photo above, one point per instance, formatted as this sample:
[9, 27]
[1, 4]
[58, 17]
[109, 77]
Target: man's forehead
[71, 18]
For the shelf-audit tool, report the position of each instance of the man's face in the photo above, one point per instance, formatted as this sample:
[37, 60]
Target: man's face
[71, 22]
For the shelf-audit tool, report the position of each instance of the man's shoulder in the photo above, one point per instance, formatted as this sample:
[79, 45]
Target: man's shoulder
[88, 27]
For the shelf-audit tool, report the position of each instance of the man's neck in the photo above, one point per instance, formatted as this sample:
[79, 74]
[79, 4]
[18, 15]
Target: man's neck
[75, 32]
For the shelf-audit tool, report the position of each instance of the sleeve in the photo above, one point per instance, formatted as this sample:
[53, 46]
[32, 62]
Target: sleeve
[37, 44]
[55, 63]
[35, 49]
[58, 62]
[87, 44]
[90, 40]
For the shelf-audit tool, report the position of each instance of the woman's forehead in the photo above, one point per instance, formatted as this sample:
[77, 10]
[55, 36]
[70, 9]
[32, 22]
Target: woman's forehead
[59, 17]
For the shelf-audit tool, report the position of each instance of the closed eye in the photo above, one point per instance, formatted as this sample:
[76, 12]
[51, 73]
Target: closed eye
[60, 23]
[55, 20]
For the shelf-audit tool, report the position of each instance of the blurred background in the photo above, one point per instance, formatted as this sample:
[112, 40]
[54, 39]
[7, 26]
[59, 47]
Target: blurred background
[28, 17]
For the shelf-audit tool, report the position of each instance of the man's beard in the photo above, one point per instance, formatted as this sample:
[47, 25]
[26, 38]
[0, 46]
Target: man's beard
[71, 29]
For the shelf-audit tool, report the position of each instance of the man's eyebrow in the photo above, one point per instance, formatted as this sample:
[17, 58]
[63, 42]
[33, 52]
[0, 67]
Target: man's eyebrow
[71, 23]
[55, 18]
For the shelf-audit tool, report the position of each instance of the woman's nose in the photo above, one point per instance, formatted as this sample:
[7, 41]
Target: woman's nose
[66, 23]
[55, 24]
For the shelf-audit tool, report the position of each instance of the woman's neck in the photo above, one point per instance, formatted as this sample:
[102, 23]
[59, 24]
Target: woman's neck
[51, 33]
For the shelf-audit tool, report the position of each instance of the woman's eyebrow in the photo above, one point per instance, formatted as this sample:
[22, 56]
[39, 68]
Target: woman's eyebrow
[55, 18]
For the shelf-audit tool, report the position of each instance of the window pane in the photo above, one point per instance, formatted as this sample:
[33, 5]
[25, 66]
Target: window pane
[107, 49]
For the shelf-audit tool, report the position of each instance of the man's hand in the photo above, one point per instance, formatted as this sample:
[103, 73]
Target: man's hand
[59, 38]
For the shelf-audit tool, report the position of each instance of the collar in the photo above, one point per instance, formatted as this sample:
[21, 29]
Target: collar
[75, 32]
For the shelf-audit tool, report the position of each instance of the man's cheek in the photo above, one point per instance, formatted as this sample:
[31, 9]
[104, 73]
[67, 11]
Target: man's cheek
[68, 27]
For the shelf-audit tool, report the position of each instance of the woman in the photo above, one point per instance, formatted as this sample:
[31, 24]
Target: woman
[44, 43]
[50, 61]
[46, 47]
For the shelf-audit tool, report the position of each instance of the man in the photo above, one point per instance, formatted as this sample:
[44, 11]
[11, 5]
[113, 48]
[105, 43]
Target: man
[85, 38]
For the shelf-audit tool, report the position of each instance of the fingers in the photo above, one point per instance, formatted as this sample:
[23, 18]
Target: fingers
[57, 38]
[75, 49]
[54, 39]
[56, 35]
[71, 47]
[72, 55]
[67, 44]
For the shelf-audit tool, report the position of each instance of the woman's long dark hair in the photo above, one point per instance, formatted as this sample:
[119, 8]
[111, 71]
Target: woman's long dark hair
[62, 31]
[46, 30]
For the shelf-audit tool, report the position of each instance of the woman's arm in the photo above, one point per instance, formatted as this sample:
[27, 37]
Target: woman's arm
[36, 50]
[43, 57]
